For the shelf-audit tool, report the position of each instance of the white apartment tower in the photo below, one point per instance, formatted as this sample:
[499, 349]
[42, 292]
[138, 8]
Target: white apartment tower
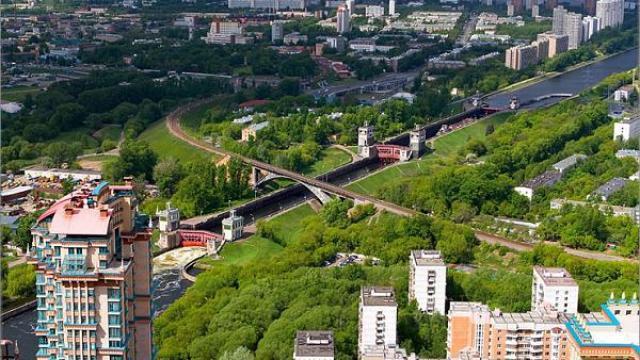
[590, 26]
[377, 320]
[428, 280]
[610, 12]
[572, 27]
[392, 7]
[554, 287]
[277, 30]
[343, 21]
[365, 140]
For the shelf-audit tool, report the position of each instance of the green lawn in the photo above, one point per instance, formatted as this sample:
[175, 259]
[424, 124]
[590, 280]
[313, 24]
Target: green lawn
[165, 144]
[444, 146]
[288, 225]
[100, 157]
[80, 135]
[18, 93]
[330, 158]
[451, 143]
[247, 250]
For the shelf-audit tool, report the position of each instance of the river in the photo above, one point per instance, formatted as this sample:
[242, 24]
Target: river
[572, 82]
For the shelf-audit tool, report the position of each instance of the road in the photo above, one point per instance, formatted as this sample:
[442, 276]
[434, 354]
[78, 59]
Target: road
[332, 90]
[173, 124]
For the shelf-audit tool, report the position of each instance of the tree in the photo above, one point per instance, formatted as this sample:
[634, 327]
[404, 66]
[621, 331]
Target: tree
[67, 116]
[67, 185]
[241, 353]
[23, 232]
[63, 152]
[136, 159]
[6, 235]
[21, 281]
[167, 173]
[335, 211]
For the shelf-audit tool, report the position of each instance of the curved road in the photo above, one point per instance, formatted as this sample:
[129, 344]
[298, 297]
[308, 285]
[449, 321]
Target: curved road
[173, 124]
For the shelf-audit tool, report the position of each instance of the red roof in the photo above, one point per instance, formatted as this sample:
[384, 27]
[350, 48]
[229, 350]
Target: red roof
[254, 103]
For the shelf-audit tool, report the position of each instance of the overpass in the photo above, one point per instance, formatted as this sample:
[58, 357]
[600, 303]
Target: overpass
[173, 124]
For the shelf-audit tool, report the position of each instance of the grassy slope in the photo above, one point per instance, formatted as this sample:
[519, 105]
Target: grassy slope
[165, 144]
[445, 146]
[18, 93]
[330, 158]
[255, 247]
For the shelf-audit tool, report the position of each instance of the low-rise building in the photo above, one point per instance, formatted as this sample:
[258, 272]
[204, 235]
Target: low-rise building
[548, 178]
[232, 226]
[252, 130]
[612, 333]
[294, 38]
[624, 93]
[36, 171]
[624, 153]
[428, 280]
[627, 128]
[632, 212]
[568, 163]
[554, 287]
[314, 345]
[604, 191]
[374, 11]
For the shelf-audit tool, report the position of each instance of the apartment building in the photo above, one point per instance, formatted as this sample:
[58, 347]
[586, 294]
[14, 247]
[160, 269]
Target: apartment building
[521, 56]
[93, 276]
[343, 20]
[554, 287]
[568, 23]
[627, 128]
[610, 12]
[314, 345]
[475, 332]
[377, 319]
[428, 280]
[590, 26]
[557, 43]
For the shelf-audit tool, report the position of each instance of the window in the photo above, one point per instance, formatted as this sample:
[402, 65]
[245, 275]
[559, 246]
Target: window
[114, 319]
[114, 344]
[114, 307]
[103, 250]
[114, 332]
[103, 264]
[57, 250]
[92, 292]
[113, 293]
[71, 251]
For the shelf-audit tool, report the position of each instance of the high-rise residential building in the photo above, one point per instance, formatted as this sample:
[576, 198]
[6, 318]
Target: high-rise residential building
[350, 4]
[521, 56]
[543, 48]
[550, 4]
[558, 19]
[557, 43]
[314, 345]
[93, 276]
[554, 287]
[277, 30]
[572, 27]
[511, 9]
[590, 26]
[535, 10]
[610, 12]
[343, 20]
[518, 6]
[475, 332]
[377, 319]
[428, 280]
[590, 7]
[392, 7]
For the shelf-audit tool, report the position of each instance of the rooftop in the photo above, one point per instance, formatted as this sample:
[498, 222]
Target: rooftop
[547, 178]
[314, 343]
[426, 257]
[73, 221]
[378, 296]
[569, 162]
[631, 119]
[554, 276]
[610, 187]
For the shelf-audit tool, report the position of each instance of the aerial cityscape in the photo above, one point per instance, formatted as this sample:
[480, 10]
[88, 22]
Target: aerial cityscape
[320, 179]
